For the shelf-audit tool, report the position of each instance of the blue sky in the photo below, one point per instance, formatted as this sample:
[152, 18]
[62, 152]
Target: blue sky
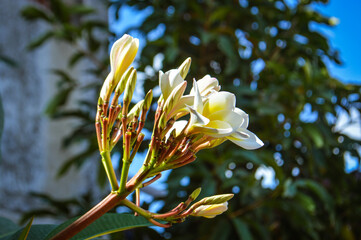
[345, 37]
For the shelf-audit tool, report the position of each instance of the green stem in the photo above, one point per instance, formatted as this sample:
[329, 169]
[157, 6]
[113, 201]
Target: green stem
[137, 209]
[126, 162]
[124, 176]
[108, 166]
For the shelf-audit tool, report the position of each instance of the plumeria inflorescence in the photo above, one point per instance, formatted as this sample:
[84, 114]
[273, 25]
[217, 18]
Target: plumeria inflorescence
[212, 119]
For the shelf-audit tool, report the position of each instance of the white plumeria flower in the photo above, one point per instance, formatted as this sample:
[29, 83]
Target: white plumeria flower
[219, 118]
[207, 86]
[210, 211]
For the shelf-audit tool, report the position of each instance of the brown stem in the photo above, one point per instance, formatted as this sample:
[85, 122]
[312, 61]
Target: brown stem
[96, 212]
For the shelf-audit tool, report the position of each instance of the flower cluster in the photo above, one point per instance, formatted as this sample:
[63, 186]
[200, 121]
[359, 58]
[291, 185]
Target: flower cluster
[184, 124]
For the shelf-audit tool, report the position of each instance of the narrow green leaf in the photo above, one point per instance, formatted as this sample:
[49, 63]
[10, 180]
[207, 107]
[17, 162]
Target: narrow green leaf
[7, 60]
[242, 229]
[59, 100]
[81, 9]
[40, 40]
[37, 232]
[24, 234]
[109, 223]
[33, 13]
[315, 135]
[75, 58]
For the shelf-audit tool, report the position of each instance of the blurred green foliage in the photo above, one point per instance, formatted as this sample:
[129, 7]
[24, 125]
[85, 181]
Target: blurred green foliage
[270, 56]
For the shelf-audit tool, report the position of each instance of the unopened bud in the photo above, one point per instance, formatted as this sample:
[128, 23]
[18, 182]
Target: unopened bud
[122, 55]
[216, 199]
[134, 112]
[210, 211]
[147, 100]
[162, 121]
[130, 86]
[123, 82]
[174, 97]
[100, 101]
[107, 87]
[195, 193]
[184, 67]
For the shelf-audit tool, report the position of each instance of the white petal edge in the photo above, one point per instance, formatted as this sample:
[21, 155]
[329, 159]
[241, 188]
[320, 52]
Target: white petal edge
[250, 143]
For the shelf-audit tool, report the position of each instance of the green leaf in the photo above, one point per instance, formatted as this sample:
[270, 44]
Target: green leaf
[24, 234]
[315, 135]
[7, 227]
[64, 75]
[242, 229]
[75, 58]
[40, 40]
[37, 232]
[76, 160]
[108, 223]
[81, 9]
[7, 60]
[59, 100]
[32, 13]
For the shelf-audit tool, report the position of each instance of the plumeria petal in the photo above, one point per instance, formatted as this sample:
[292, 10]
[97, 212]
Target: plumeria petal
[216, 129]
[207, 85]
[246, 139]
[196, 117]
[219, 101]
[181, 106]
[233, 118]
[244, 116]
[198, 103]
[178, 126]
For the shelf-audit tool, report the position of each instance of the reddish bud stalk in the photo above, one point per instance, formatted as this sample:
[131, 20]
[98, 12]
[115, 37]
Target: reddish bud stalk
[167, 225]
[99, 136]
[152, 180]
[105, 133]
[171, 213]
[182, 158]
[136, 146]
[105, 108]
[187, 161]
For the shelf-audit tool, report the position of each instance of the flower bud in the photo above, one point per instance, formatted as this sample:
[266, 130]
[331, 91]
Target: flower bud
[195, 193]
[210, 211]
[174, 97]
[122, 55]
[130, 86]
[134, 112]
[184, 68]
[147, 100]
[168, 81]
[216, 199]
[107, 88]
[123, 82]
